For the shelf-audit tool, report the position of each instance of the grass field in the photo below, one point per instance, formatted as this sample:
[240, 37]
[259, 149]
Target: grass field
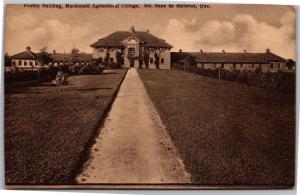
[226, 133]
[47, 128]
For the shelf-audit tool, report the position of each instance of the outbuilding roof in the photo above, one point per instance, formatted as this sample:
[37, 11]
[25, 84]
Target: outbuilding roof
[25, 55]
[231, 57]
[116, 38]
[59, 57]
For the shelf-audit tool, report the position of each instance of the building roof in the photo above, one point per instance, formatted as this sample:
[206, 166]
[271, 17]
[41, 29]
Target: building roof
[25, 55]
[59, 57]
[231, 57]
[117, 37]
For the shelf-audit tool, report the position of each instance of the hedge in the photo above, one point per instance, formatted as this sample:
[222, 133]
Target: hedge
[17, 75]
[281, 81]
[48, 73]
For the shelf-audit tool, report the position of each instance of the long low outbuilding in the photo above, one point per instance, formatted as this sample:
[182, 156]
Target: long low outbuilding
[266, 61]
[30, 60]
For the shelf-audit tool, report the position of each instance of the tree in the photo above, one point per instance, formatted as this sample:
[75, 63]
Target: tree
[106, 60]
[44, 57]
[290, 63]
[189, 61]
[120, 59]
[146, 58]
[7, 60]
[74, 55]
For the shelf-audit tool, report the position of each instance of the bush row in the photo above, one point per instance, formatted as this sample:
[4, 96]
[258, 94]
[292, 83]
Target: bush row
[281, 81]
[48, 73]
[17, 75]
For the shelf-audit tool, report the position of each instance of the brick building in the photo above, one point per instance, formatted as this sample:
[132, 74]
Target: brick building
[132, 48]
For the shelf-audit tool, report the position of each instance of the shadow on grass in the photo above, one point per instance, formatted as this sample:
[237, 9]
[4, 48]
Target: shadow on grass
[108, 73]
[93, 89]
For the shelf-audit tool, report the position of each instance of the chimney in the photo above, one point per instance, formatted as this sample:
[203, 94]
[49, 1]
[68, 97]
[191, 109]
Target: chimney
[268, 50]
[54, 51]
[223, 51]
[147, 30]
[180, 50]
[201, 50]
[245, 51]
[28, 49]
[132, 30]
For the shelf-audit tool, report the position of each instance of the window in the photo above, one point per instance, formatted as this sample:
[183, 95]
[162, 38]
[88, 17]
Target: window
[200, 65]
[162, 60]
[130, 52]
[260, 66]
[111, 60]
[253, 65]
[100, 60]
[25, 63]
[271, 65]
[233, 65]
[20, 62]
[278, 65]
[241, 65]
[30, 63]
[222, 65]
[151, 60]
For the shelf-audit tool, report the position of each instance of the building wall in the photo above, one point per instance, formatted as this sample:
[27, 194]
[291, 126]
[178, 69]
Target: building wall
[276, 66]
[152, 60]
[166, 57]
[133, 42]
[104, 51]
[271, 67]
[24, 63]
[99, 53]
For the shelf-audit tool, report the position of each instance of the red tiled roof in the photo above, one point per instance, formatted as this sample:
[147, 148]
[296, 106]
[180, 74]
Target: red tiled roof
[231, 57]
[25, 55]
[146, 38]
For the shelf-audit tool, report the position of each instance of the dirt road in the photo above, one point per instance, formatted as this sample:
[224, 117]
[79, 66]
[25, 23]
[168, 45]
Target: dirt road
[133, 146]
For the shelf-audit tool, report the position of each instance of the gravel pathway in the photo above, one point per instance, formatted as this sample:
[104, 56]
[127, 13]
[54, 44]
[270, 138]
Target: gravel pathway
[133, 146]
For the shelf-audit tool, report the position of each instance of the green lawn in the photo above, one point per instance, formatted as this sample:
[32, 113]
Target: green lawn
[226, 133]
[47, 128]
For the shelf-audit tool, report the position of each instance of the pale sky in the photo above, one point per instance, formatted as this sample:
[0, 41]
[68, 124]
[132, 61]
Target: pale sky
[228, 27]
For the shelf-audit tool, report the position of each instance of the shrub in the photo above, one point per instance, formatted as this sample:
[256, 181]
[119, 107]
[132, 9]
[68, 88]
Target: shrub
[281, 81]
[19, 75]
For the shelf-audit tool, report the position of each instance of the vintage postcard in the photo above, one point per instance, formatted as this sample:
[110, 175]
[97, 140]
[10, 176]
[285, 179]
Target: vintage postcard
[150, 96]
